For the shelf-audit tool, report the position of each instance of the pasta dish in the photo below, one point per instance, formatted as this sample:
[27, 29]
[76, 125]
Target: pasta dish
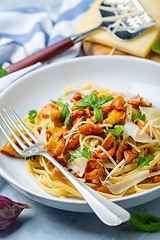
[109, 140]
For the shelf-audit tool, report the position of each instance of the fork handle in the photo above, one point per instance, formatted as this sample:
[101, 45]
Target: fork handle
[50, 51]
[42, 55]
[109, 213]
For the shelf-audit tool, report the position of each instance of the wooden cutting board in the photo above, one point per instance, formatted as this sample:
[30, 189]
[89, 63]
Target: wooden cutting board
[91, 48]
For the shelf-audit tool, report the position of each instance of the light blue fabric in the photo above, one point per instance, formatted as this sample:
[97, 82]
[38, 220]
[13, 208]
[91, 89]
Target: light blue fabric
[24, 31]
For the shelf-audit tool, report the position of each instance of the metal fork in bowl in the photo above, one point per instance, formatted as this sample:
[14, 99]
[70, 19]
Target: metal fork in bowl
[109, 213]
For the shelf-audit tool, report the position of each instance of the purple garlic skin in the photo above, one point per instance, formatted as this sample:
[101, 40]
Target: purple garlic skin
[9, 211]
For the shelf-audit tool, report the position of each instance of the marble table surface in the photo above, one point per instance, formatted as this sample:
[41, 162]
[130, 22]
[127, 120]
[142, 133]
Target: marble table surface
[46, 223]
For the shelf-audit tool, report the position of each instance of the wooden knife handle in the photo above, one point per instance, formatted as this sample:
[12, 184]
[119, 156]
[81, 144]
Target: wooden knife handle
[42, 55]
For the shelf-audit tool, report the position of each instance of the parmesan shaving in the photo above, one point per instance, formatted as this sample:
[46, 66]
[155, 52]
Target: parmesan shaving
[121, 186]
[40, 136]
[152, 114]
[78, 165]
[131, 129]
[106, 125]
[43, 136]
[156, 123]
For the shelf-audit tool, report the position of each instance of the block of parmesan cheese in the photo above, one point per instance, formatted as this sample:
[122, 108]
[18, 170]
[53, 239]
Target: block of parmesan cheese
[139, 46]
[151, 7]
[153, 10]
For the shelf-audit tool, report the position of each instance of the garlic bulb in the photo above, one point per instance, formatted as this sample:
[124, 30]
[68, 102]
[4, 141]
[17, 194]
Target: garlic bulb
[9, 211]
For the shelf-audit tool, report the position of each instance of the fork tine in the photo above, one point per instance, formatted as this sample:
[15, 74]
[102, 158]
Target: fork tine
[18, 129]
[10, 140]
[13, 133]
[24, 126]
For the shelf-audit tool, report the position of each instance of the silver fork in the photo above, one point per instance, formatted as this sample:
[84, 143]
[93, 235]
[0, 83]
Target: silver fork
[109, 213]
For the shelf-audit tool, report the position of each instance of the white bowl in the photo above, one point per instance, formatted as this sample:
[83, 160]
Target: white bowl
[123, 74]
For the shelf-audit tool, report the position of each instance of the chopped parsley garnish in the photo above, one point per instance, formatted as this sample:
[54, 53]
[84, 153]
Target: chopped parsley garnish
[93, 101]
[150, 105]
[139, 115]
[32, 114]
[117, 130]
[2, 72]
[65, 115]
[58, 102]
[28, 158]
[156, 47]
[86, 154]
[98, 114]
[145, 221]
[144, 161]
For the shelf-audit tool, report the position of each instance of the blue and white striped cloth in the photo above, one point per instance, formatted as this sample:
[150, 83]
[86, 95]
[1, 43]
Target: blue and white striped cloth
[24, 31]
